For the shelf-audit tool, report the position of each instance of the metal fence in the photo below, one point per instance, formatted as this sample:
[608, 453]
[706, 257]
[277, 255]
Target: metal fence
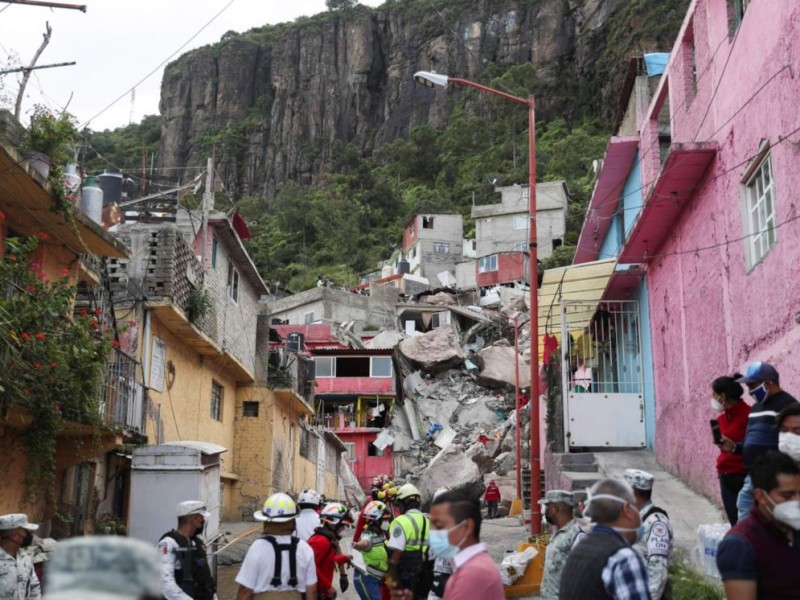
[122, 399]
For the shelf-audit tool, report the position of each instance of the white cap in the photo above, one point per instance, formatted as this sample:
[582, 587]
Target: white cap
[193, 507]
[15, 521]
[639, 480]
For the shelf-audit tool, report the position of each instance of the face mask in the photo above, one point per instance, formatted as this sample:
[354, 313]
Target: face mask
[385, 526]
[716, 406]
[759, 393]
[27, 540]
[787, 513]
[789, 443]
[549, 519]
[439, 542]
[620, 529]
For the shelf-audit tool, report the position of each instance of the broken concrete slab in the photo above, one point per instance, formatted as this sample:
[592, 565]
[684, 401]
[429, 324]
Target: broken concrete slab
[451, 467]
[497, 364]
[385, 339]
[477, 453]
[434, 351]
[441, 299]
[477, 414]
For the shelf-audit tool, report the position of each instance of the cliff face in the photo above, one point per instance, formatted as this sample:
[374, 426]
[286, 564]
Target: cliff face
[274, 102]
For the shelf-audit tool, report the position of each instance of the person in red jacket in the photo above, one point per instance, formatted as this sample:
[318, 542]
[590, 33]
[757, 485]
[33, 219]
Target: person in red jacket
[492, 497]
[732, 419]
[325, 544]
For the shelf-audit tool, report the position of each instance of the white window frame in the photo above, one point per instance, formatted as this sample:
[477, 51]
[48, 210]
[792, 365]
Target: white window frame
[308, 318]
[350, 451]
[232, 288]
[372, 360]
[487, 264]
[332, 360]
[520, 247]
[441, 247]
[758, 209]
[519, 222]
[440, 319]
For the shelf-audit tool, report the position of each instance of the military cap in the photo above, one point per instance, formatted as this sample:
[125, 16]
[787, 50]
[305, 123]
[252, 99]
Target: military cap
[15, 521]
[558, 497]
[107, 566]
[193, 507]
[639, 480]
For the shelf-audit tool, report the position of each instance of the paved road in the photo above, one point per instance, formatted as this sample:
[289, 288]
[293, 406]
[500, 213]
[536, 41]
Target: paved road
[501, 536]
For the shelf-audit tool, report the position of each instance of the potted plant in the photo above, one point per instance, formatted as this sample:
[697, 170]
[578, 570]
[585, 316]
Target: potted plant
[49, 139]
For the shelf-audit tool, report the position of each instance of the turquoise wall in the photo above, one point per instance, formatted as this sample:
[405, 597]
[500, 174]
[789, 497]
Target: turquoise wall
[632, 195]
[642, 296]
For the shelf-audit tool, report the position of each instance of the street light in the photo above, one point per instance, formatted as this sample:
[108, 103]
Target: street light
[430, 80]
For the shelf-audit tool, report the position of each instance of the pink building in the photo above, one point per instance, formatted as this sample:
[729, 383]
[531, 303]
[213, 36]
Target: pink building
[711, 232]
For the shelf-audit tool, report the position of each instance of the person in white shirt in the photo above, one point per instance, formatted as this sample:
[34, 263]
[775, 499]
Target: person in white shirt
[308, 519]
[278, 562]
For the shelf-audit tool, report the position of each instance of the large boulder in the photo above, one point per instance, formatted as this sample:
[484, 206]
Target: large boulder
[441, 299]
[505, 463]
[476, 414]
[385, 339]
[477, 453]
[497, 367]
[451, 467]
[434, 351]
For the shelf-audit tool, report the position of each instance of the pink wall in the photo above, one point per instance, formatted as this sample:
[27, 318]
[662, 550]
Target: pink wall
[709, 315]
[511, 267]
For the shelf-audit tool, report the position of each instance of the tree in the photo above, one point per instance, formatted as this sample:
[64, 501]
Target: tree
[334, 5]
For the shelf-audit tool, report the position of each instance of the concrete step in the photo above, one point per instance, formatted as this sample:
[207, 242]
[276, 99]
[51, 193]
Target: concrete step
[569, 459]
[581, 480]
[588, 468]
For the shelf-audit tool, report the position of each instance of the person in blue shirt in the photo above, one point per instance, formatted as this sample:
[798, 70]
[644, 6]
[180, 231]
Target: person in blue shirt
[762, 381]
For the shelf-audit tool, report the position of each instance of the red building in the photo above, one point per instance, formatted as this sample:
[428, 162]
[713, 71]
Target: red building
[501, 268]
[354, 394]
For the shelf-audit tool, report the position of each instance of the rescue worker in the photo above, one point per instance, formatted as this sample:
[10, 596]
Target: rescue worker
[491, 497]
[559, 506]
[278, 565]
[18, 579]
[104, 566]
[373, 547]
[408, 543]
[185, 572]
[655, 545]
[382, 489]
[325, 544]
[308, 520]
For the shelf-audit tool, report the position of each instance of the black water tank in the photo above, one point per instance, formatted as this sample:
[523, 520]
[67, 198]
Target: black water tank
[403, 267]
[294, 342]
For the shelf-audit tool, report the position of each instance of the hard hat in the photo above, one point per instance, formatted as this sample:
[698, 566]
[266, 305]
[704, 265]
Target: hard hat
[407, 491]
[193, 507]
[375, 511]
[336, 513]
[279, 508]
[309, 496]
[440, 491]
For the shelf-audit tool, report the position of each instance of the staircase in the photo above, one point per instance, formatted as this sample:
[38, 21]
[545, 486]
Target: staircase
[578, 472]
[526, 486]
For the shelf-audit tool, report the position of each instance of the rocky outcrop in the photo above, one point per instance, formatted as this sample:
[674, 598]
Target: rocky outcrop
[276, 102]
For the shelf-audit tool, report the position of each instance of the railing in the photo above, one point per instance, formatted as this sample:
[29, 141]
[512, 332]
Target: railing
[289, 370]
[122, 393]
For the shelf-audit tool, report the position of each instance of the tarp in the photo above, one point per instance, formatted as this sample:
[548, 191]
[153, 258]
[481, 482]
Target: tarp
[656, 63]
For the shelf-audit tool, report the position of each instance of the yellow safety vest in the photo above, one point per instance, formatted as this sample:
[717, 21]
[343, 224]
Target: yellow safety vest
[377, 559]
[414, 525]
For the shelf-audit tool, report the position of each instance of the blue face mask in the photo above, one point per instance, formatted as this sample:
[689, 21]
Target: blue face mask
[759, 393]
[439, 542]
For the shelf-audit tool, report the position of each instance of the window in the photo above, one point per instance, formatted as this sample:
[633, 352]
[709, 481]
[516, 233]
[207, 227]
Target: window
[352, 366]
[214, 251]
[325, 366]
[381, 366]
[217, 393]
[521, 247]
[441, 247]
[520, 222]
[414, 252]
[308, 445]
[440, 319]
[233, 282]
[427, 222]
[760, 211]
[487, 264]
[250, 409]
[308, 318]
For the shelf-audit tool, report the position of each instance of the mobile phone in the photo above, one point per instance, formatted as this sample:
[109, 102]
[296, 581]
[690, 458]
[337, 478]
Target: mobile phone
[715, 431]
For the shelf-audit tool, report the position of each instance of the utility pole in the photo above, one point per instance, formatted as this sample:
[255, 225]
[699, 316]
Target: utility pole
[23, 69]
[208, 202]
[80, 7]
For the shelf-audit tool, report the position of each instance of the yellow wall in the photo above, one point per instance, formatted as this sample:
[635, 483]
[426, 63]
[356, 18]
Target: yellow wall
[184, 409]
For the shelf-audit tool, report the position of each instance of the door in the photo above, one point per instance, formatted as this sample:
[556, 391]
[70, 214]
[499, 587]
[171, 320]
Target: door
[602, 375]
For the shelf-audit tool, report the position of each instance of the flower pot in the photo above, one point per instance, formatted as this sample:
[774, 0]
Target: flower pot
[38, 162]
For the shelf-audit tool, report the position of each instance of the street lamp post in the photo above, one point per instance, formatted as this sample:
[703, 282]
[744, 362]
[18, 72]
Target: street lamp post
[431, 80]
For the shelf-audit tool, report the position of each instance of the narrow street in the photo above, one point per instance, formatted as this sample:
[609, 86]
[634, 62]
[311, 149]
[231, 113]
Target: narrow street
[500, 535]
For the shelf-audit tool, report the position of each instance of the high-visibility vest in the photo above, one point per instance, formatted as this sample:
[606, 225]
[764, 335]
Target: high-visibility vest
[377, 559]
[415, 526]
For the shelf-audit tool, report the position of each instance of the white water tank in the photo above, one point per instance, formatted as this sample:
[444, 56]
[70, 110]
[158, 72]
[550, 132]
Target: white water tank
[92, 200]
[387, 271]
[164, 475]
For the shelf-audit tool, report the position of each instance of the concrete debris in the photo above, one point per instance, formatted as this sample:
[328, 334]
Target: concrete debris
[441, 299]
[445, 437]
[385, 339]
[505, 463]
[452, 466]
[497, 364]
[434, 351]
[477, 453]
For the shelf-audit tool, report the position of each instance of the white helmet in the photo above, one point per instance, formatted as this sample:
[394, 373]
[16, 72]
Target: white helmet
[279, 508]
[309, 496]
[440, 491]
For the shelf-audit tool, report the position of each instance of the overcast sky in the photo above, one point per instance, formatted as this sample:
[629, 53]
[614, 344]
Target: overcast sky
[117, 42]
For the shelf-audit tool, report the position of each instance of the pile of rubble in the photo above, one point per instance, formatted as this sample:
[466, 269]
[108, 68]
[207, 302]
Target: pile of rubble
[455, 423]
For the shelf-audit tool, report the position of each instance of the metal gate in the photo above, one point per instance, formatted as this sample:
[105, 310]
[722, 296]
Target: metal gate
[601, 375]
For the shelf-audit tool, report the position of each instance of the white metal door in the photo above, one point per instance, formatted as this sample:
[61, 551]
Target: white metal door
[601, 375]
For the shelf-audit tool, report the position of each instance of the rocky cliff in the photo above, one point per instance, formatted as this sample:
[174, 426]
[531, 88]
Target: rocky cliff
[276, 101]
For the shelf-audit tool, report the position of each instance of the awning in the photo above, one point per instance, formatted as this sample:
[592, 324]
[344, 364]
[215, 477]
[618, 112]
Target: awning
[674, 188]
[585, 282]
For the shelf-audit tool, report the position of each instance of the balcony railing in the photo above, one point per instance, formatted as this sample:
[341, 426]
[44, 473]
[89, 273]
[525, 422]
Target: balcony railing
[289, 370]
[122, 400]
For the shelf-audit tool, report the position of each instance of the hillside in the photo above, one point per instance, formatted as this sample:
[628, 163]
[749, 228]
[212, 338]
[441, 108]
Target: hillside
[329, 146]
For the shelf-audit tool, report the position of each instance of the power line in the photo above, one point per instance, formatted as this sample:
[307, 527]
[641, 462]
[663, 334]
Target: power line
[161, 64]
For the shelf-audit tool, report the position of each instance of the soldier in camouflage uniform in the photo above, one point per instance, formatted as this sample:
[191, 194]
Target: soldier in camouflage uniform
[18, 579]
[558, 511]
[655, 543]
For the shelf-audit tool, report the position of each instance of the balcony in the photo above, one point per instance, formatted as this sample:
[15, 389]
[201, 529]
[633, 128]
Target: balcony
[122, 399]
[291, 377]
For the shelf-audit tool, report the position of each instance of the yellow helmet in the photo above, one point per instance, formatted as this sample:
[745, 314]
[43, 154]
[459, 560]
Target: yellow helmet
[407, 491]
